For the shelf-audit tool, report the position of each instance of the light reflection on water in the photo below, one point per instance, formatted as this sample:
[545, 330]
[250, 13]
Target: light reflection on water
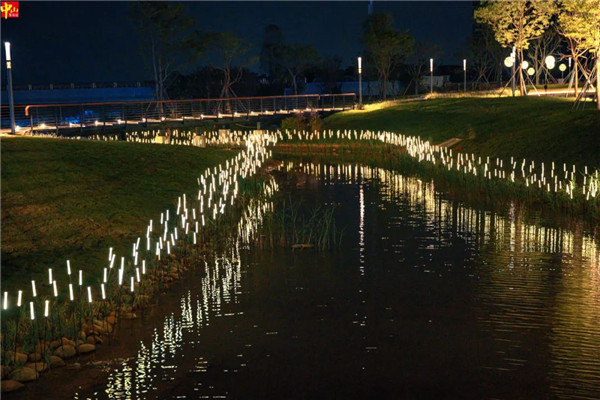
[519, 295]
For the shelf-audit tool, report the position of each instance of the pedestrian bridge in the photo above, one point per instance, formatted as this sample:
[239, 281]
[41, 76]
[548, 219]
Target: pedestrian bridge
[48, 118]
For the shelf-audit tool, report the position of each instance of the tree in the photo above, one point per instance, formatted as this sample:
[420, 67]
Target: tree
[418, 66]
[540, 48]
[229, 49]
[163, 27]
[385, 46]
[484, 55]
[579, 21]
[297, 58]
[516, 23]
[329, 73]
[271, 52]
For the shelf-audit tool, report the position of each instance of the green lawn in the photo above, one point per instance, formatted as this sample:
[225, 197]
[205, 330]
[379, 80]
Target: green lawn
[540, 128]
[68, 199]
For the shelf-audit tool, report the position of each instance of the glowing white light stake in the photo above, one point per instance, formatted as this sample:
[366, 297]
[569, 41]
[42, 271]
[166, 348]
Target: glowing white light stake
[143, 267]
[71, 297]
[112, 261]
[68, 267]
[89, 294]
[5, 301]
[33, 289]
[137, 274]
[80, 277]
[120, 276]
[132, 284]
[110, 254]
[105, 275]
[46, 308]
[103, 291]
[31, 310]
[54, 288]
[122, 262]
[19, 298]
[50, 276]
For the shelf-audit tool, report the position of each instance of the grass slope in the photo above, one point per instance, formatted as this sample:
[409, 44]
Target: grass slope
[68, 199]
[540, 128]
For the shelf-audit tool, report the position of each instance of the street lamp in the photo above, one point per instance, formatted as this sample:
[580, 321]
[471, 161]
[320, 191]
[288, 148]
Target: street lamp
[465, 74]
[562, 68]
[360, 83]
[11, 103]
[550, 62]
[509, 62]
[431, 75]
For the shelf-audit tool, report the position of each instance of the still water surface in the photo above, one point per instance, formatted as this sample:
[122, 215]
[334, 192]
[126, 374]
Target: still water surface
[427, 298]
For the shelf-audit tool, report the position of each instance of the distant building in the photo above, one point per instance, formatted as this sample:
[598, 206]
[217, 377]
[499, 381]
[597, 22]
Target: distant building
[81, 93]
[369, 88]
[438, 81]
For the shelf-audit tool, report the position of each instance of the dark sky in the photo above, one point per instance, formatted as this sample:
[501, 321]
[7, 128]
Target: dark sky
[96, 42]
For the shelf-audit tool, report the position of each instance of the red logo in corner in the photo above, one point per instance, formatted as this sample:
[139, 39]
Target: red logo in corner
[10, 9]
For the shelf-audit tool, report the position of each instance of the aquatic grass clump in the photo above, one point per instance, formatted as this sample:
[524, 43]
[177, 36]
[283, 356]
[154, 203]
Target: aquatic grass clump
[292, 224]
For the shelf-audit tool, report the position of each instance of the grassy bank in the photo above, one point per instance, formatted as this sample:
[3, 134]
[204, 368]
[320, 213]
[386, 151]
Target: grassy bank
[64, 199]
[539, 128]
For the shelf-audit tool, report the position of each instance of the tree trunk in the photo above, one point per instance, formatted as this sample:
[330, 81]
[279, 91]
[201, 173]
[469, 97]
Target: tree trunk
[576, 65]
[384, 88]
[598, 79]
[295, 86]
[521, 78]
[154, 66]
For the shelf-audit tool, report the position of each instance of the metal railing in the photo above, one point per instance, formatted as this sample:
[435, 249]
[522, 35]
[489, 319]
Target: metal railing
[47, 117]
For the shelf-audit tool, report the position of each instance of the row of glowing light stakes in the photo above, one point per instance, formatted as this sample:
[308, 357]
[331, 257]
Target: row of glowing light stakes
[222, 182]
[218, 187]
[550, 179]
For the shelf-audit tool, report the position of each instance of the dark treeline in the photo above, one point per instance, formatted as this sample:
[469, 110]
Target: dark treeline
[189, 63]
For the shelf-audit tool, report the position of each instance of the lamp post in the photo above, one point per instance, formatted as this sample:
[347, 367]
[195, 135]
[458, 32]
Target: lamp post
[11, 104]
[562, 68]
[431, 75]
[465, 75]
[360, 83]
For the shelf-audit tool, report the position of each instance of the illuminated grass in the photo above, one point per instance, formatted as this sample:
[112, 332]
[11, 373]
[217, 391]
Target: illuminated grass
[67, 199]
[539, 128]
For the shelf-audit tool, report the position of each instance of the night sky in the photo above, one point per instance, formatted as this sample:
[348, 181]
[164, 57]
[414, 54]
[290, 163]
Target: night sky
[60, 42]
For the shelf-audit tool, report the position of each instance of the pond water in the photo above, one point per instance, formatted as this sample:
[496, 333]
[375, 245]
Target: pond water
[426, 298]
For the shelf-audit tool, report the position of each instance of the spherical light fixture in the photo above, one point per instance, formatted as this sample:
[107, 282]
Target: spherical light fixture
[509, 62]
[550, 62]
